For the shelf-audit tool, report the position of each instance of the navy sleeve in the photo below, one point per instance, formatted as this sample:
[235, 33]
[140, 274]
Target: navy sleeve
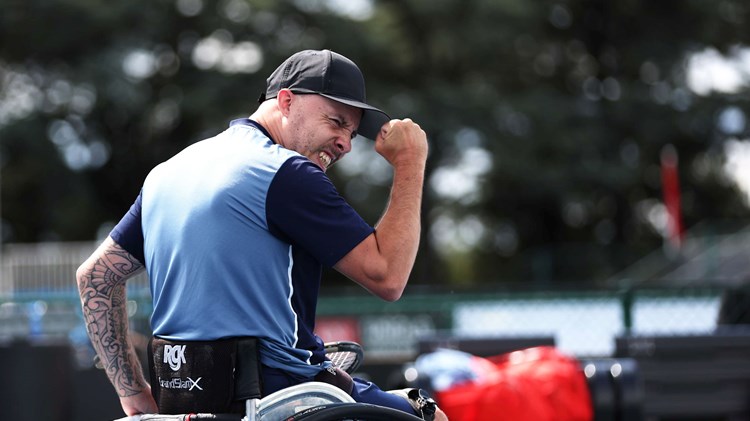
[128, 233]
[303, 208]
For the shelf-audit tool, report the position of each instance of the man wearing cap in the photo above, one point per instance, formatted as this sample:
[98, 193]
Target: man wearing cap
[233, 232]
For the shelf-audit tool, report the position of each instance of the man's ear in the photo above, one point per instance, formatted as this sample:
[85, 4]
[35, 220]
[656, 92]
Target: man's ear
[284, 101]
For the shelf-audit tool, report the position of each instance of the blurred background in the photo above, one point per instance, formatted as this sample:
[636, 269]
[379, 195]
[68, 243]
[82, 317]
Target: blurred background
[588, 184]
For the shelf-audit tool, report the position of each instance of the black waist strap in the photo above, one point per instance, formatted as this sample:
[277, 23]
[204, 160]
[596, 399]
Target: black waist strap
[204, 376]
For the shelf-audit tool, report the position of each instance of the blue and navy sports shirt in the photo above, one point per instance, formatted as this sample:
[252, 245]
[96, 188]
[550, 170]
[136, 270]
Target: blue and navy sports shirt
[233, 231]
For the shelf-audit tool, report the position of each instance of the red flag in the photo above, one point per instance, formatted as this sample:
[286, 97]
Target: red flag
[671, 191]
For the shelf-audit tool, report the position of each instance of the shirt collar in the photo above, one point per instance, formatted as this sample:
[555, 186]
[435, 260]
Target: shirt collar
[252, 123]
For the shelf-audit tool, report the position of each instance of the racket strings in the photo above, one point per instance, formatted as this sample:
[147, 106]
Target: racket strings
[345, 355]
[344, 360]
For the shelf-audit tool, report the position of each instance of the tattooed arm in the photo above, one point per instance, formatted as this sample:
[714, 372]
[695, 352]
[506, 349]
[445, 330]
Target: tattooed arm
[101, 283]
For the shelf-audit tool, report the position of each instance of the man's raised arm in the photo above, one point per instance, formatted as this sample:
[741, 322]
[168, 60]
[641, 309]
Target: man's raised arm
[383, 261]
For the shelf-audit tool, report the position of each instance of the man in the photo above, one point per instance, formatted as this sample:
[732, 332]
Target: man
[233, 232]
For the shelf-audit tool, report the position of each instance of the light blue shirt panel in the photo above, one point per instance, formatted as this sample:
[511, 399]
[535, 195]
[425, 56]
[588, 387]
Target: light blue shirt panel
[200, 208]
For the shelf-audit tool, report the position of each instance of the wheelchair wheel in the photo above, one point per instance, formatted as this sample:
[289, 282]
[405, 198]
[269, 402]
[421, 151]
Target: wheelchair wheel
[191, 417]
[353, 411]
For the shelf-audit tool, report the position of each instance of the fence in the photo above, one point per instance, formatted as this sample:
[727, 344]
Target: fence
[583, 323]
[38, 297]
[28, 270]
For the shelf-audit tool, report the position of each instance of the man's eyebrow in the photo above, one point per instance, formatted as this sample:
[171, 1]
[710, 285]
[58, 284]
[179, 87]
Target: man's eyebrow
[344, 121]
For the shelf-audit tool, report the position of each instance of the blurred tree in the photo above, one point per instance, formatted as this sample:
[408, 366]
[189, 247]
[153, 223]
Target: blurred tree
[546, 119]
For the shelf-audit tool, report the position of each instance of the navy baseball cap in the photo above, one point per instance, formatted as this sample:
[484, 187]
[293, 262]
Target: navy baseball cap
[331, 75]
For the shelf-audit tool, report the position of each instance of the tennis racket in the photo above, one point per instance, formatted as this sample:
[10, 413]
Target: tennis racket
[345, 355]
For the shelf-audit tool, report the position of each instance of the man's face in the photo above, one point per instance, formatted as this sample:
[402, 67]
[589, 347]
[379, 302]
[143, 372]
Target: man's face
[321, 129]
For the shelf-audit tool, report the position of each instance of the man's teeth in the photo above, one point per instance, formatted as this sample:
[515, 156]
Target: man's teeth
[325, 159]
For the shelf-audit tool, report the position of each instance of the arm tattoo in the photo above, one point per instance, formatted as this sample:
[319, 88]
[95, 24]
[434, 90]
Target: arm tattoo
[101, 283]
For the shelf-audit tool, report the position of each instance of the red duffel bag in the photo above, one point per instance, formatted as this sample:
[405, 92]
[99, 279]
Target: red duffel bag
[536, 384]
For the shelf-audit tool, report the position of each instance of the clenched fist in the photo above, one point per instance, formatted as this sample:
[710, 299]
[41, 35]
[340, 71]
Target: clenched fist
[402, 142]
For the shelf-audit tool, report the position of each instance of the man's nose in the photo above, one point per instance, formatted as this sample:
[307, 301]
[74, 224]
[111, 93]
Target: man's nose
[344, 143]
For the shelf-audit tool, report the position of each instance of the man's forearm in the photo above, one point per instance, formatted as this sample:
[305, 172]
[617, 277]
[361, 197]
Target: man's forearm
[399, 229]
[101, 283]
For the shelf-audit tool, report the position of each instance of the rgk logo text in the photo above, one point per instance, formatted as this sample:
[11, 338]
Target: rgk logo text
[174, 355]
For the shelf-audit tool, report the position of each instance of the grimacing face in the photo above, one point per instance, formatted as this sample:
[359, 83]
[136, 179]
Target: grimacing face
[321, 129]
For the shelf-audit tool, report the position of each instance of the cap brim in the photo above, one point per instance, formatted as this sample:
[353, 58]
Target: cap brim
[372, 118]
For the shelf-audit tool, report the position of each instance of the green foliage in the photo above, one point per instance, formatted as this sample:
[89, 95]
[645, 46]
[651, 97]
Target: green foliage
[553, 114]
